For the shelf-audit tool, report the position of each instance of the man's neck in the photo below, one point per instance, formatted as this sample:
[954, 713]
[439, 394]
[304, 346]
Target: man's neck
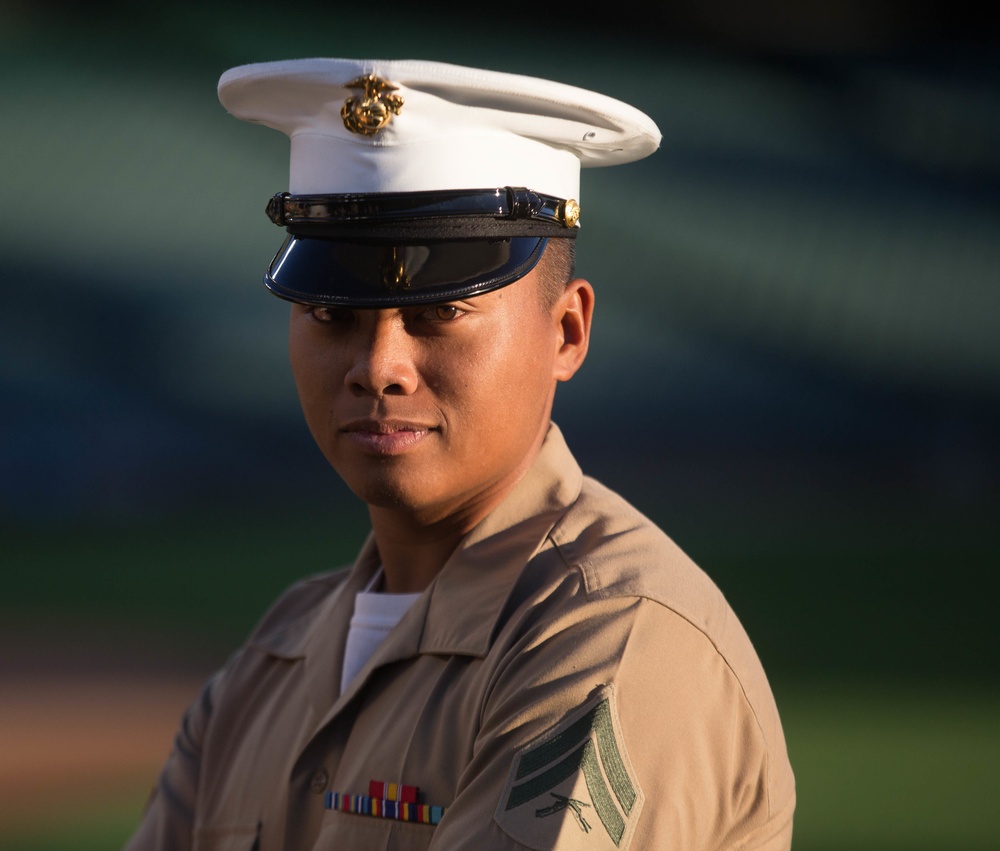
[412, 554]
[414, 545]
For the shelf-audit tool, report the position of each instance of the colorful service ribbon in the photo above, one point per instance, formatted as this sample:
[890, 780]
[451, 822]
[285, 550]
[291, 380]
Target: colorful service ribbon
[386, 800]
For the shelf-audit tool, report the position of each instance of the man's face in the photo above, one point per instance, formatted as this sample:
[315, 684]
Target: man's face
[436, 410]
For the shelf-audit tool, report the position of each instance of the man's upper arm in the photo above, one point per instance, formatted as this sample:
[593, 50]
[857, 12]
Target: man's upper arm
[622, 729]
[168, 819]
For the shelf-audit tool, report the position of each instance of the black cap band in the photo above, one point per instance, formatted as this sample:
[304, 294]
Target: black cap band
[503, 207]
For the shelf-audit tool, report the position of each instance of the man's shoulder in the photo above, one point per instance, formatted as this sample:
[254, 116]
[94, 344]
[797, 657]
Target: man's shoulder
[620, 552]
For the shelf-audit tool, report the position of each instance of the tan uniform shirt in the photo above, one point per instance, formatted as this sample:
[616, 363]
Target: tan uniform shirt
[570, 680]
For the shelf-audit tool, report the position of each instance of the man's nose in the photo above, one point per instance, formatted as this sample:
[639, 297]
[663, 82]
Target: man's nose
[383, 359]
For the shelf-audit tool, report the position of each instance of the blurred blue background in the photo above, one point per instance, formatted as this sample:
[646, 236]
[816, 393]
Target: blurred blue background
[795, 369]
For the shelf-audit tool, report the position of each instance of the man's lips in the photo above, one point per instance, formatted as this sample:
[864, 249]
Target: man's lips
[386, 437]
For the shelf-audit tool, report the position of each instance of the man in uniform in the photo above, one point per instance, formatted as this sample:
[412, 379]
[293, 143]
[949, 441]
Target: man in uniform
[518, 658]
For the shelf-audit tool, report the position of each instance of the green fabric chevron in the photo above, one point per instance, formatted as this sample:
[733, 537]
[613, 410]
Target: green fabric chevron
[583, 758]
[598, 721]
[611, 758]
[573, 750]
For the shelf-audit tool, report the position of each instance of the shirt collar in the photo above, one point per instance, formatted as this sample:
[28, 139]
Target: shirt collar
[467, 596]
[462, 604]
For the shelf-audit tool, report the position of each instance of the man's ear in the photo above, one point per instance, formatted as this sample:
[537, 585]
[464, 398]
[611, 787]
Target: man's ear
[574, 311]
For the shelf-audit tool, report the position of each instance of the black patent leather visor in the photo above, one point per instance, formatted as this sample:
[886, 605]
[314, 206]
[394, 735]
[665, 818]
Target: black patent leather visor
[384, 273]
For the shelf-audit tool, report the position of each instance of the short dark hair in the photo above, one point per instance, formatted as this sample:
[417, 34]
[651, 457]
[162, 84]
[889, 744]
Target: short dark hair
[556, 268]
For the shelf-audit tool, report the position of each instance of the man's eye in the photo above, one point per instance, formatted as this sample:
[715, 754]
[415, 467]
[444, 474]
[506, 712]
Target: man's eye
[443, 312]
[329, 314]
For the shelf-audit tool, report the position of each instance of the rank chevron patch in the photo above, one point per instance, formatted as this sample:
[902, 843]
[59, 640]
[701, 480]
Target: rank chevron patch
[576, 779]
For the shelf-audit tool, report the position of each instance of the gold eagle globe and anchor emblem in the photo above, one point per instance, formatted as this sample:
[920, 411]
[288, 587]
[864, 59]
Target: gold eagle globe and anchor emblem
[369, 114]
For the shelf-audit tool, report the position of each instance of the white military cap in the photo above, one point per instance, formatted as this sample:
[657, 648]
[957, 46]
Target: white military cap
[413, 181]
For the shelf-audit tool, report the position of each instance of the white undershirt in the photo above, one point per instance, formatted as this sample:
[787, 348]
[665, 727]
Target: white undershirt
[375, 614]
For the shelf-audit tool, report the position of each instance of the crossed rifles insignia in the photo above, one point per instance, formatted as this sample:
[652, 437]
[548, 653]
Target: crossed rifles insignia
[563, 803]
[369, 114]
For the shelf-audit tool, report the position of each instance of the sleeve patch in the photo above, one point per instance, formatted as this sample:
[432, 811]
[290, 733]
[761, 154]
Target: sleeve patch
[574, 784]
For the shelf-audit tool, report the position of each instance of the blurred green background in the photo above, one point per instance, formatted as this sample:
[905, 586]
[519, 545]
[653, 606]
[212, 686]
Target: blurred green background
[795, 370]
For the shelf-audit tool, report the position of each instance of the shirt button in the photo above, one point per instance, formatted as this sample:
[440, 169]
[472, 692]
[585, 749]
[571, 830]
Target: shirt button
[319, 781]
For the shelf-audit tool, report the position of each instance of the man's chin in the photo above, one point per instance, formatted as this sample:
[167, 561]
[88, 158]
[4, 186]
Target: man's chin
[387, 492]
